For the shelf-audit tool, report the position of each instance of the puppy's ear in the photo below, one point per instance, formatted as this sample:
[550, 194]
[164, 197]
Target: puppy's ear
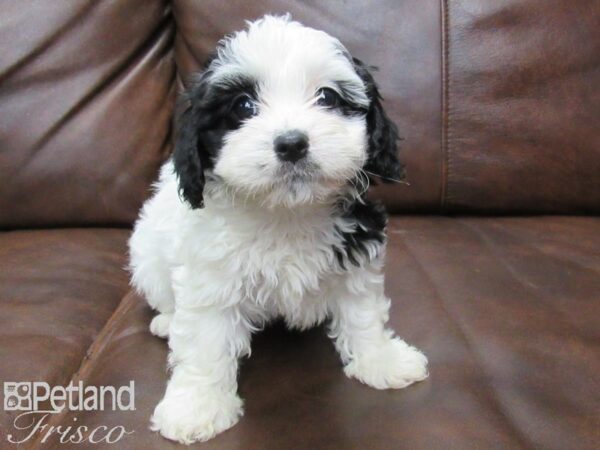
[186, 156]
[382, 133]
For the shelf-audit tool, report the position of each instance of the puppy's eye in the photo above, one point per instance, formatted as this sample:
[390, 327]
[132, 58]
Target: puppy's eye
[245, 107]
[328, 98]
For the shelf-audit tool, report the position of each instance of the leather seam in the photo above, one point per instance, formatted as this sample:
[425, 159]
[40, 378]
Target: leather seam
[445, 131]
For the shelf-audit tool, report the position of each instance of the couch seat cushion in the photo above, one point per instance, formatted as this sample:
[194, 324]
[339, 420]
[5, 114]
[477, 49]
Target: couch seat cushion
[506, 309]
[58, 288]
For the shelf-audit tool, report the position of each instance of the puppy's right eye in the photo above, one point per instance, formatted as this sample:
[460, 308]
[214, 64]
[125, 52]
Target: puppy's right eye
[327, 98]
[245, 107]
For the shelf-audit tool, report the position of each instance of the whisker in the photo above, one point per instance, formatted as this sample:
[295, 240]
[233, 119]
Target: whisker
[388, 179]
[360, 182]
[365, 181]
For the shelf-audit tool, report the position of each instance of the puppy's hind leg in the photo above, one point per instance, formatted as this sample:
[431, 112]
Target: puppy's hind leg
[159, 326]
[162, 300]
[151, 277]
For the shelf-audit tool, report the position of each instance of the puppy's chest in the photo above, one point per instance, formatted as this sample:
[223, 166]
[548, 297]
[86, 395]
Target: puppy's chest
[290, 265]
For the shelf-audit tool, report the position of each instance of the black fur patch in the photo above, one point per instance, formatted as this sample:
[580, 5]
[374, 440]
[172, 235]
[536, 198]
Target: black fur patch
[383, 134]
[370, 219]
[204, 117]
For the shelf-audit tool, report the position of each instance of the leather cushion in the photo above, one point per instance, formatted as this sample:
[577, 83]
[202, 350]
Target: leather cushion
[505, 308]
[86, 96]
[58, 288]
[522, 106]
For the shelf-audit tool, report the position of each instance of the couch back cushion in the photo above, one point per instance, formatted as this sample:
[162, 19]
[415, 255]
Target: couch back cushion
[497, 101]
[86, 93]
[522, 106]
[401, 38]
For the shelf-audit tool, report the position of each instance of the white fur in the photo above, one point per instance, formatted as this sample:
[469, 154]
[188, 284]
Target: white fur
[290, 62]
[257, 251]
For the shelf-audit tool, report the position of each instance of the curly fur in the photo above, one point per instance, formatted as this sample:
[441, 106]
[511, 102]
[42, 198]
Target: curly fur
[235, 236]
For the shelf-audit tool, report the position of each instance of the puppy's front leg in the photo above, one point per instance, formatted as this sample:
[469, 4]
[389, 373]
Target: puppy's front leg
[201, 398]
[371, 352]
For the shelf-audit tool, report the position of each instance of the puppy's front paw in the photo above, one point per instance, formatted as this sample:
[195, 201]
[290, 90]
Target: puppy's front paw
[160, 325]
[393, 365]
[192, 417]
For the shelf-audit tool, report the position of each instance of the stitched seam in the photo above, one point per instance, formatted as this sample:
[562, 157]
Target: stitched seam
[90, 358]
[445, 159]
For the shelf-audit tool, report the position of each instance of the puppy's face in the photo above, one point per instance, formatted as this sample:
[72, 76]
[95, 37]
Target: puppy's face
[282, 114]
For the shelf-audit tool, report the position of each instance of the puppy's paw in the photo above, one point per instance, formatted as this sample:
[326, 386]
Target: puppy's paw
[393, 365]
[191, 417]
[160, 325]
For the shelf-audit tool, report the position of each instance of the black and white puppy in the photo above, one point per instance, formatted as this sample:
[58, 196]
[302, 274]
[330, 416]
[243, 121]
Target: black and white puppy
[261, 213]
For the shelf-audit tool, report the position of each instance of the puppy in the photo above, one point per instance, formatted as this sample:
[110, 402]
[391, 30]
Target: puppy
[261, 213]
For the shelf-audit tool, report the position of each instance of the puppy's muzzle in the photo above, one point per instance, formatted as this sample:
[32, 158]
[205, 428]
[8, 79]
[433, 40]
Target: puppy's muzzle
[291, 146]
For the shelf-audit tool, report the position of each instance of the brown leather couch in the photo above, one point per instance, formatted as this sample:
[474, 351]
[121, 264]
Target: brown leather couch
[494, 254]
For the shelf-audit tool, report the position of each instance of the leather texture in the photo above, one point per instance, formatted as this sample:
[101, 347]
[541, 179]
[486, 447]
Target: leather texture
[498, 104]
[505, 308]
[58, 288]
[86, 94]
[498, 115]
[522, 106]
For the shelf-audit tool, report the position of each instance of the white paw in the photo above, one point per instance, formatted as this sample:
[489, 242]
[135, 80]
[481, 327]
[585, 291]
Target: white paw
[190, 418]
[160, 325]
[393, 365]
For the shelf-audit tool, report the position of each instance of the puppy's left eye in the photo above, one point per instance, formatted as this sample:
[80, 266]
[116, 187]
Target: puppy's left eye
[245, 107]
[328, 98]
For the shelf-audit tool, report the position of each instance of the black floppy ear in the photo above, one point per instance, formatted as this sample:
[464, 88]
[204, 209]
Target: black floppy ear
[382, 133]
[186, 156]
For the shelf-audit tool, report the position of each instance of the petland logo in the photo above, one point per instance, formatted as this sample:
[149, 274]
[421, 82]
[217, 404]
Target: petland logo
[37, 401]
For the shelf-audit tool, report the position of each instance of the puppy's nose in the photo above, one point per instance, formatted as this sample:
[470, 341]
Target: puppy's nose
[291, 146]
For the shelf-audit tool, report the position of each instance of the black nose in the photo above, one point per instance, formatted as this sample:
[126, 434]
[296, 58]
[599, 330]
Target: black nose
[291, 146]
